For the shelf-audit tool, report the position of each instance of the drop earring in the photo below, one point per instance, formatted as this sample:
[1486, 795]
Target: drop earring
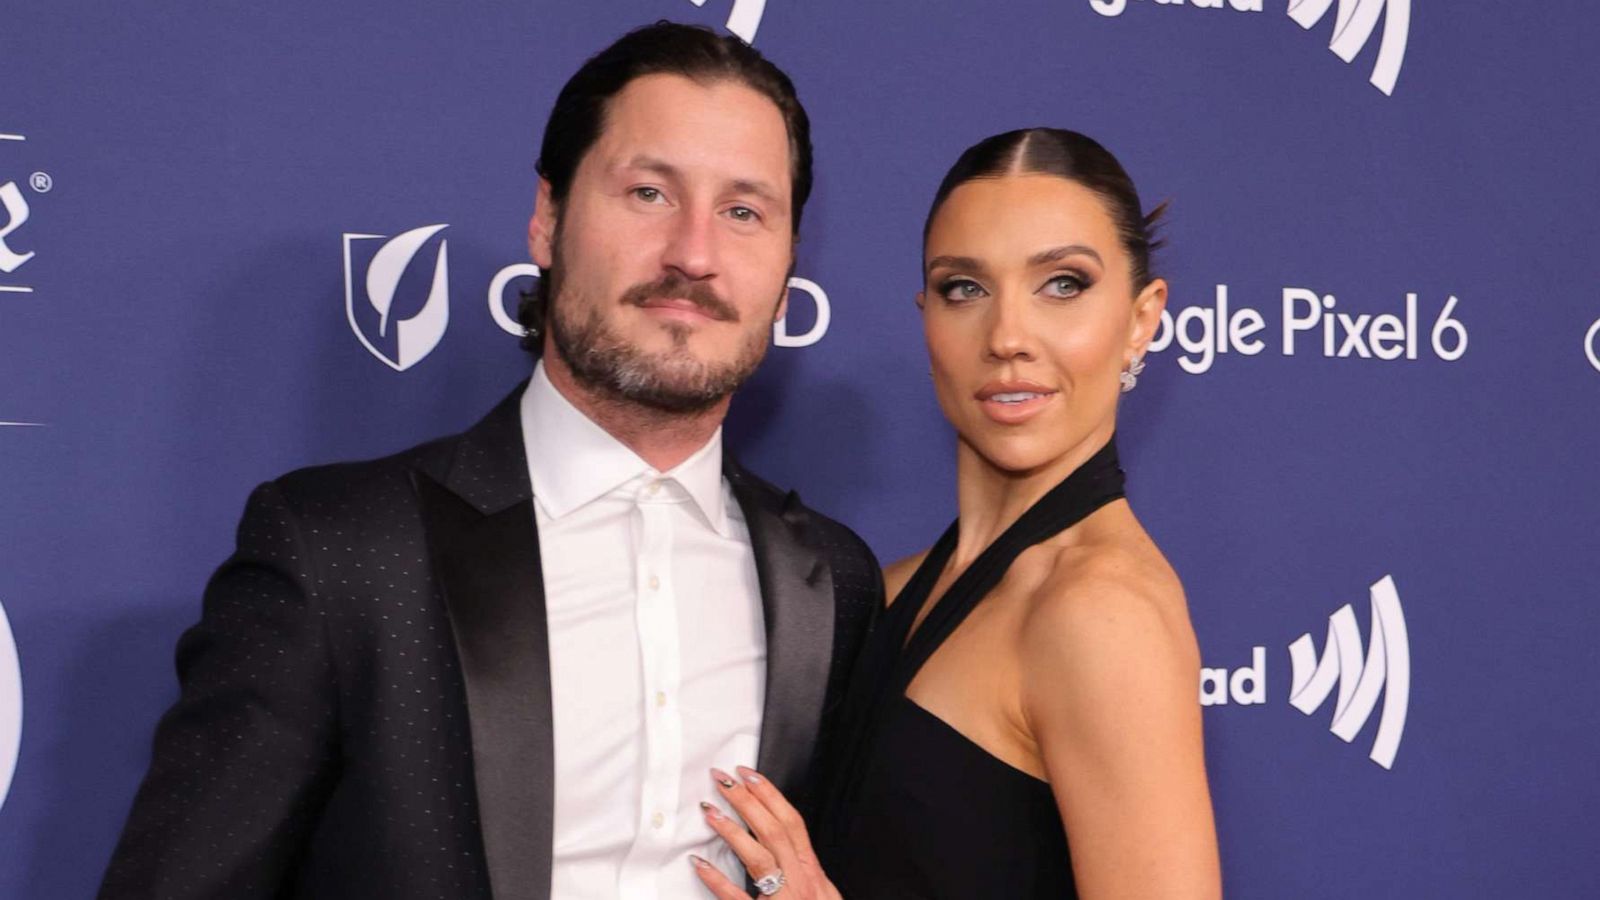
[1130, 375]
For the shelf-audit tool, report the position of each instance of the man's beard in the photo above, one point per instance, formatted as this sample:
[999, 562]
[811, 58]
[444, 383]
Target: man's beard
[673, 381]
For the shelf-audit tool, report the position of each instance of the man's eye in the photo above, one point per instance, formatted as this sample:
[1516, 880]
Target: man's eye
[647, 194]
[745, 214]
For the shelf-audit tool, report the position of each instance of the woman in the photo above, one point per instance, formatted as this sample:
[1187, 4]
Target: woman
[1033, 683]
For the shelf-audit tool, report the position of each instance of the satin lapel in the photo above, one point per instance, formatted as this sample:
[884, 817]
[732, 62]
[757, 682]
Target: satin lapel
[797, 600]
[485, 549]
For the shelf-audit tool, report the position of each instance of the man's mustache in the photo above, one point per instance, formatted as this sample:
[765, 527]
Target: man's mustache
[677, 287]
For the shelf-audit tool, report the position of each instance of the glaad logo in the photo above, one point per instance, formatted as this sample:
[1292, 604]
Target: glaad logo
[1114, 8]
[745, 19]
[401, 342]
[10, 706]
[1353, 26]
[1386, 669]
[1590, 348]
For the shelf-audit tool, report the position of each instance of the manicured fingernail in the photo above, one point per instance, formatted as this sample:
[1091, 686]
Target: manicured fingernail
[750, 775]
[710, 809]
[723, 779]
[698, 863]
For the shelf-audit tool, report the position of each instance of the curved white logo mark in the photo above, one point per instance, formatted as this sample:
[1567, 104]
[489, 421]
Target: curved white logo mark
[16, 207]
[1353, 27]
[1589, 348]
[1387, 669]
[780, 329]
[497, 294]
[399, 343]
[10, 706]
[744, 19]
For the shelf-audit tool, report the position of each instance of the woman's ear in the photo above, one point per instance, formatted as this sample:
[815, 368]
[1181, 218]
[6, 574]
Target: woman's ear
[1146, 318]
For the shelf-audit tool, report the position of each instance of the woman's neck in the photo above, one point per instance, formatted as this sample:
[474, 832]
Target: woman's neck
[991, 499]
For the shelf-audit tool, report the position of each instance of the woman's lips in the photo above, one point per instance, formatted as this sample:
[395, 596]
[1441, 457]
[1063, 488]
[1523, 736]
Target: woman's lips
[1014, 402]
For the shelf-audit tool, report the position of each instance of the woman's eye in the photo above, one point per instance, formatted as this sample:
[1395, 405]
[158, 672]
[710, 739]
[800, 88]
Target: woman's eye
[961, 289]
[1065, 286]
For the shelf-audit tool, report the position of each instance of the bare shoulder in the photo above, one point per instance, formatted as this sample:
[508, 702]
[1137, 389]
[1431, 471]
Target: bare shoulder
[1098, 607]
[896, 574]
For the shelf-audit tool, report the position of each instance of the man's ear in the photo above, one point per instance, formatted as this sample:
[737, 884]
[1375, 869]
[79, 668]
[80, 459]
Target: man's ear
[783, 298]
[542, 227]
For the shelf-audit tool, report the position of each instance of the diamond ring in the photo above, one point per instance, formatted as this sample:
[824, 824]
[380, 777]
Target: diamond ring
[771, 883]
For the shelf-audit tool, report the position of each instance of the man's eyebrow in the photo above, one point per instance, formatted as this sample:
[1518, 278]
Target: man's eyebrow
[956, 262]
[758, 188]
[652, 164]
[665, 169]
[1055, 254]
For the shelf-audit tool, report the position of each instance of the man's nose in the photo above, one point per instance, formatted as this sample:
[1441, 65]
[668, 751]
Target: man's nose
[692, 244]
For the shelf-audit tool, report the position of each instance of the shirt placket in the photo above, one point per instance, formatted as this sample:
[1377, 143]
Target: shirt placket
[657, 622]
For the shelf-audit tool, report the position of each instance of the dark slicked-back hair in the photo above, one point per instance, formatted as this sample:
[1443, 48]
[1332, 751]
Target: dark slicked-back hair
[665, 48]
[1069, 155]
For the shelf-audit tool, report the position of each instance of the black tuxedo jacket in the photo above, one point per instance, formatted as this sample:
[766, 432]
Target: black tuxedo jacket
[365, 701]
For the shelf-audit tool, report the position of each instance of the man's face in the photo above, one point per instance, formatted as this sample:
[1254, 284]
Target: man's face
[670, 255]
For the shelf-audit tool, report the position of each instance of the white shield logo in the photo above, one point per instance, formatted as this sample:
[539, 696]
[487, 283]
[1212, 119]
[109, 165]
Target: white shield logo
[399, 342]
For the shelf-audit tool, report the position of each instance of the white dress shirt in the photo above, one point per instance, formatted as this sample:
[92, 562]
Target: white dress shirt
[657, 652]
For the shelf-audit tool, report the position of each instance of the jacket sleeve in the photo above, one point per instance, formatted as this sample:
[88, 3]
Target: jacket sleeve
[243, 761]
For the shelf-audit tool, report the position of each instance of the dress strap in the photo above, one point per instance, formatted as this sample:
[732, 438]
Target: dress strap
[1092, 485]
[889, 661]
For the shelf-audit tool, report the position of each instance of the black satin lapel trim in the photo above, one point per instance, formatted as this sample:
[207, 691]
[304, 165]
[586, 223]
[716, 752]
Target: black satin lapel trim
[489, 465]
[797, 600]
[490, 578]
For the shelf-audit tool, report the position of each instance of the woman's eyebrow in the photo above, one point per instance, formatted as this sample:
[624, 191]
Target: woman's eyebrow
[1056, 254]
[956, 262]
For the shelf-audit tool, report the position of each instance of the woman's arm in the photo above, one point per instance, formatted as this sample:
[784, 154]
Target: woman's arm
[1110, 675]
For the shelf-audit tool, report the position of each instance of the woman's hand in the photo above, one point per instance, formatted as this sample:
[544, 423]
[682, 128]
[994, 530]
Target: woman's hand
[777, 855]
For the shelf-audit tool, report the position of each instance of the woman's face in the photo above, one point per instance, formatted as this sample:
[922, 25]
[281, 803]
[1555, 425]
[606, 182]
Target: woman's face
[1030, 315]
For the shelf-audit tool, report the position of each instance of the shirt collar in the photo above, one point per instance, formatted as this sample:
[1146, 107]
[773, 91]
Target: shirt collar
[572, 461]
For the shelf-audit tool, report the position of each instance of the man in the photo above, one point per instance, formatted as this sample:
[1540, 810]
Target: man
[503, 663]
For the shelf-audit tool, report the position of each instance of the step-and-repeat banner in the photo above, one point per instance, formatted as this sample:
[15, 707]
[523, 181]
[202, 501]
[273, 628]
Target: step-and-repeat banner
[1367, 437]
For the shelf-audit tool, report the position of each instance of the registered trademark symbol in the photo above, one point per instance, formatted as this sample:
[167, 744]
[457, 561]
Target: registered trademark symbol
[42, 182]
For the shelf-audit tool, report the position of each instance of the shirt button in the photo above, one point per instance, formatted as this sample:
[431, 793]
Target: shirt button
[653, 488]
[655, 583]
[658, 820]
[661, 698]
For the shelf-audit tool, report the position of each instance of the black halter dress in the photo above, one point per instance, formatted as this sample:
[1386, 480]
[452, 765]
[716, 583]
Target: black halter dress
[914, 809]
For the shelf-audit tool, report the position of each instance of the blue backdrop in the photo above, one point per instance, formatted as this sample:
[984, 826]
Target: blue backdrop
[193, 196]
